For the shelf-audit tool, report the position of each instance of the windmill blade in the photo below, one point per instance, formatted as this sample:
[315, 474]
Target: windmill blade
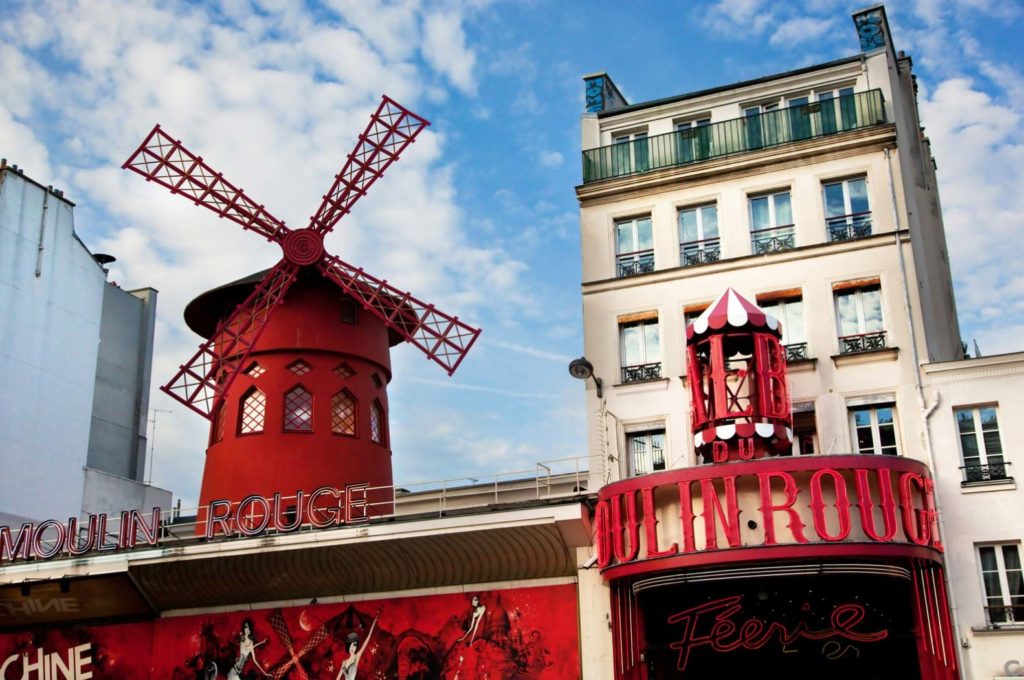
[162, 159]
[201, 383]
[443, 338]
[391, 129]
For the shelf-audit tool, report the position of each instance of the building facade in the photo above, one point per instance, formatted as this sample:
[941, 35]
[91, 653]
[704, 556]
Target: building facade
[814, 194]
[68, 331]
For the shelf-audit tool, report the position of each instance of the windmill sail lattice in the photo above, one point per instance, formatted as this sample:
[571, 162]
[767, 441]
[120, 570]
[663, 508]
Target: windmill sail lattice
[201, 383]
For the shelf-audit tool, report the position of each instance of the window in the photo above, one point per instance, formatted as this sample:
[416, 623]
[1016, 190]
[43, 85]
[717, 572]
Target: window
[859, 316]
[646, 451]
[377, 422]
[799, 118]
[693, 140]
[790, 312]
[254, 370]
[838, 110]
[771, 223]
[980, 447]
[252, 412]
[847, 215]
[299, 367]
[874, 429]
[344, 371]
[348, 311]
[639, 349]
[629, 153]
[762, 125]
[218, 424]
[634, 247]
[698, 235]
[1004, 586]
[298, 410]
[343, 413]
[805, 430]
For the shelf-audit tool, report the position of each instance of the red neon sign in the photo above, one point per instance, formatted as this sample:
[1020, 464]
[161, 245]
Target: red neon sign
[715, 624]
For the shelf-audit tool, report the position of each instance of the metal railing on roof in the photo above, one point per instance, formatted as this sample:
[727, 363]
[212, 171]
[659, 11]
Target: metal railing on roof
[739, 135]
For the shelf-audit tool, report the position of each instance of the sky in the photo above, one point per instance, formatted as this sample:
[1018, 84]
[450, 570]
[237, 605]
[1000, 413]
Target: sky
[479, 216]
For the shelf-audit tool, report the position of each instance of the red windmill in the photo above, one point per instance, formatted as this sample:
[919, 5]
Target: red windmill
[295, 356]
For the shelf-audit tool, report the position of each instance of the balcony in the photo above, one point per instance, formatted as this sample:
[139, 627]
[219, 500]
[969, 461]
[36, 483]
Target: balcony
[1005, 614]
[700, 252]
[631, 264]
[796, 351]
[739, 135]
[848, 227]
[641, 372]
[984, 474]
[773, 240]
[862, 342]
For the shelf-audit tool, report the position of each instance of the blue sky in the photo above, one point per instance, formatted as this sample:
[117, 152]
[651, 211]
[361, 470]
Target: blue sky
[480, 215]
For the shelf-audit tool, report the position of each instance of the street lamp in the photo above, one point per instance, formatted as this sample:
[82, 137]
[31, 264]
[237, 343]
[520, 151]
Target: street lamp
[582, 369]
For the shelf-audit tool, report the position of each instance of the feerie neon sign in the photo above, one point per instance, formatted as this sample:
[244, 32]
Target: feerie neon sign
[323, 508]
[716, 625]
[789, 501]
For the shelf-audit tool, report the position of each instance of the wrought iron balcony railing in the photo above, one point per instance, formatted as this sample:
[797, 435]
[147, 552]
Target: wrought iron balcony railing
[862, 342]
[1004, 613]
[641, 372]
[773, 240]
[739, 135]
[848, 227]
[990, 472]
[796, 351]
[700, 252]
[631, 264]
[645, 462]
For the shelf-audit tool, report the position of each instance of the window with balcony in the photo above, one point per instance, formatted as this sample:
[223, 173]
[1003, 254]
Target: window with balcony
[859, 317]
[847, 215]
[698, 236]
[980, 446]
[837, 110]
[874, 430]
[790, 313]
[771, 223]
[693, 140]
[630, 153]
[1003, 583]
[639, 347]
[646, 451]
[634, 247]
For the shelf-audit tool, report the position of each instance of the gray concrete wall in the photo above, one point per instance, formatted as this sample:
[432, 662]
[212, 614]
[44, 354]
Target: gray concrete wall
[117, 438]
[111, 494]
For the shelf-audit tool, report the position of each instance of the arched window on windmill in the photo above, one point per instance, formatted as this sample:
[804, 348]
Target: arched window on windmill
[343, 413]
[252, 412]
[298, 410]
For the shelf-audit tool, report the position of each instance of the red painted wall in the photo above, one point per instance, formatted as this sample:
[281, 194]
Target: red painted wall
[521, 633]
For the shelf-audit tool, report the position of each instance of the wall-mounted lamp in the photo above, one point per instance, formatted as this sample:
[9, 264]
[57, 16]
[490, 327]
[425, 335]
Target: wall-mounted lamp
[26, 589]
[65, 584]
[583, 369]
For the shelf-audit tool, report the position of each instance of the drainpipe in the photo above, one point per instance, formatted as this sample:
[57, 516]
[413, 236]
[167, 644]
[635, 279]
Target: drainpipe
[42, 234]
[926, 411]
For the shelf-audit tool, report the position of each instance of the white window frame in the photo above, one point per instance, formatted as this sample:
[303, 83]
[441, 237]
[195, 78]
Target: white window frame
[876, 440]
[647, 431]
[773, 221]
[847, 217]
[781, 304]
[636, 254]
[644, 350]
[1004, 595]
[631, 141]
[984, 455]
[858, 294]
[703, 240]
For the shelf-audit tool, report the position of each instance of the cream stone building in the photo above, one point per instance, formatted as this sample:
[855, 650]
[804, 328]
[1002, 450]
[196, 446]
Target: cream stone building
[813, 193]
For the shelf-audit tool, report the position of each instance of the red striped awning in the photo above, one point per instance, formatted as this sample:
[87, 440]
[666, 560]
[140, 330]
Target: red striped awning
[733, 310]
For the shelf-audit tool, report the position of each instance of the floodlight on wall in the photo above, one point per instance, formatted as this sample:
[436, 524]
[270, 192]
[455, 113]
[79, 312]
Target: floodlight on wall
[582, 369]
[65, 584]
[26, 589]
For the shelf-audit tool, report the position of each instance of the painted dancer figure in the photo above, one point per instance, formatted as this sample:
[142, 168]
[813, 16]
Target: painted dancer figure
[246, 650]
[355, 652]
[477, 612]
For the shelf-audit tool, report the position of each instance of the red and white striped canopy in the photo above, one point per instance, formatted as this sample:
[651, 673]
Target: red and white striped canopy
[734, 310]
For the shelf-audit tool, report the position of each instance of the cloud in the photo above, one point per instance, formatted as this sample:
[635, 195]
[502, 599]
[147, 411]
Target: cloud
[444, 48]
[801, 31]
[550, 159]
[733, 18]
[530, 351]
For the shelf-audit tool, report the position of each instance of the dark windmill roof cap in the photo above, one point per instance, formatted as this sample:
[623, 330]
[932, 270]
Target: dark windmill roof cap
[204, 312]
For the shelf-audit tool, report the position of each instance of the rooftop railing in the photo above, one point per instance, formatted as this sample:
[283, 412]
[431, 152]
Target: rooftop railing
[739, 135]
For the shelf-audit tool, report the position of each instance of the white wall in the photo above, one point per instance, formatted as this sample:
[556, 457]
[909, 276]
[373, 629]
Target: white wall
[48, 339]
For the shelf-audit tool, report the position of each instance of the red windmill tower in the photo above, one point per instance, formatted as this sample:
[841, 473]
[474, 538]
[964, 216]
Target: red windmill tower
[736, 367]
[294, 372]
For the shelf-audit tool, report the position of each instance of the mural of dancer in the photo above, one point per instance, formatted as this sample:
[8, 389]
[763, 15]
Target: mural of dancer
[355, 652]
[246, 650]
